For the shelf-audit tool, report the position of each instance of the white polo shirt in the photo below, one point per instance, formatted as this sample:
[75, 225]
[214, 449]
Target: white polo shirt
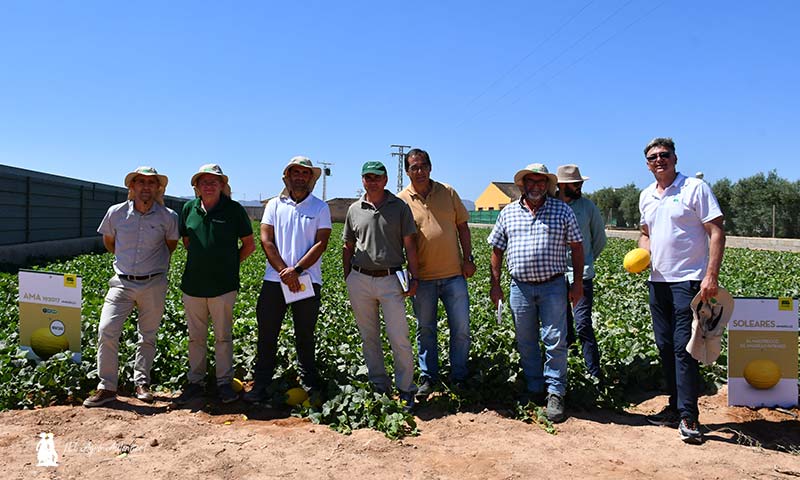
[296, 226]
[678, 239]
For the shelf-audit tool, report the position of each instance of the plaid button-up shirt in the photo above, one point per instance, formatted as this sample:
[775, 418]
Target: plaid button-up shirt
[535, 245]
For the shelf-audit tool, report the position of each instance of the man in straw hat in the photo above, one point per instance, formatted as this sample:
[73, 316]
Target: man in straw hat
[295, 230]
[681, 227]
[378, 228]
[444, 249]
[218, 236]
[570, 183]
[142, 234]
[536, 231]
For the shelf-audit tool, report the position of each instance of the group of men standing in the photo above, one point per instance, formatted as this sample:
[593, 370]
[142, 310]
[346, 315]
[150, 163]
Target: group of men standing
[416, 244]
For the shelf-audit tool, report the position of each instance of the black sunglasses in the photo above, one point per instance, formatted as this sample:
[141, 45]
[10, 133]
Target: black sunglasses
[656, 156]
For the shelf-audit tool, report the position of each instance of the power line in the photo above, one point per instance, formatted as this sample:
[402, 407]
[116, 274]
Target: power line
[400, 162]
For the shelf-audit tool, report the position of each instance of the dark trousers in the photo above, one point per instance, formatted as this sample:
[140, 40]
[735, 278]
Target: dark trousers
[672, 325]
[581, 316]
[270, 311]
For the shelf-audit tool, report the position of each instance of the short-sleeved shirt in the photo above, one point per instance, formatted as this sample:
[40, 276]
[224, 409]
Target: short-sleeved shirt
[593, 229]
[436, 217]
[296, 226]
[378, 233]
[535, 245]
[212, 260]
[140, 246]
[678, 239]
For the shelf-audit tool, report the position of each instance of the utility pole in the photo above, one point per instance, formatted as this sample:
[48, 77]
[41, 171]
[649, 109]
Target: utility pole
[326, 172]
[400, 162]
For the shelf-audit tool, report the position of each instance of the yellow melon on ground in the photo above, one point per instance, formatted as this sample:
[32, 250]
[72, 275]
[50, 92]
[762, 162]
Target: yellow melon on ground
[237, 385]
[636, 260]
[762, 374]
[295, 396]
[45, 344]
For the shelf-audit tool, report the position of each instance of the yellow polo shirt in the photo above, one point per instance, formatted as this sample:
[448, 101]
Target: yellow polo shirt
[436, 216]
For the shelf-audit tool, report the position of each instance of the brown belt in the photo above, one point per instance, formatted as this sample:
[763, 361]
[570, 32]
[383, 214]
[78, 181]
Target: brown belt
[139, 278]
[376, 273]
[558, 275]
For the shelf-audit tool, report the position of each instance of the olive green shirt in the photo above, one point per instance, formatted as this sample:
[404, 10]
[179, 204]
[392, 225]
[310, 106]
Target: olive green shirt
[378, 233]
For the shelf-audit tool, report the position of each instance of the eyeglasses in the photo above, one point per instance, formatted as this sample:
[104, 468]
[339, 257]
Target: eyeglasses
[424, 167]
[662, 155]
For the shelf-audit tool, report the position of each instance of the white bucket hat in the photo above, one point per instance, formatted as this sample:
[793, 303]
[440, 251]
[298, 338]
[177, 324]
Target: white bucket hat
[304, 162]
[148, 172]
[211, 169]
[710, 319]
[539, 169]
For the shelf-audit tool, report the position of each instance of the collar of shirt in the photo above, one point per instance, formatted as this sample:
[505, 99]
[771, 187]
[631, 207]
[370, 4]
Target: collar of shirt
[680, 179]
[548, 200]
[366, 205]
[201, 209]
[413, 192]
[132, 209]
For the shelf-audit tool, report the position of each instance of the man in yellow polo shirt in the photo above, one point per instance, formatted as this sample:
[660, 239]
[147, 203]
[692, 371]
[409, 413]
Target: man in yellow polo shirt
[444, 249]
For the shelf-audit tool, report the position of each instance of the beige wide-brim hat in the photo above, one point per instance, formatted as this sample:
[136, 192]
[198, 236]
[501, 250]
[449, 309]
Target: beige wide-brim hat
[211, 169]
[305, 162]
[148, 172]
[539, 169]
[710, 319]
[570, 174]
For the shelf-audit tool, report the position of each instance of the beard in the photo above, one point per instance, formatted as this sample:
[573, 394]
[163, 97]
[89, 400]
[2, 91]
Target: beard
[534, 195]
[573, 194]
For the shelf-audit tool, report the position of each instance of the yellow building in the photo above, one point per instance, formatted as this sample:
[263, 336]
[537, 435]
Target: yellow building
[496, 196]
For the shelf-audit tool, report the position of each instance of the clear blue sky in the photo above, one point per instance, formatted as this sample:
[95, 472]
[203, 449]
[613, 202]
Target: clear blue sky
[92, 89]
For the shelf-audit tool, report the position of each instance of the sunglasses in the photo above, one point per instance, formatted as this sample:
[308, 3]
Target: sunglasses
[656, 156]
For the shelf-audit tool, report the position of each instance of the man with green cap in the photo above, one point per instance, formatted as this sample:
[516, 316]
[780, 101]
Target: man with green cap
[378, 228]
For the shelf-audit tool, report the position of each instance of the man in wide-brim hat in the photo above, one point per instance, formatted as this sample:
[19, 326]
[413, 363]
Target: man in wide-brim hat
[295, 230]
[142, 234]
[536, 232]
[218, 236]
[590, 221]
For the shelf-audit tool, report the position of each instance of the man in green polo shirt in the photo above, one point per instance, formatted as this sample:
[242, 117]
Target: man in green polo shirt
[378, 227]
[212, 226]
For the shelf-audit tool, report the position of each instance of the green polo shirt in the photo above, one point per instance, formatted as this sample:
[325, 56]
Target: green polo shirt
[378, 233]
[212, 261]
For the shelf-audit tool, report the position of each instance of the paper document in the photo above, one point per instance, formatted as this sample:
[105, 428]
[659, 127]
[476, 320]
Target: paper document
[499, 311]
[306, 289]
[402, 275]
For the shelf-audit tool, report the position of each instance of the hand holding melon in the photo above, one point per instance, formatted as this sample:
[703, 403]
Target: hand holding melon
[636, 260]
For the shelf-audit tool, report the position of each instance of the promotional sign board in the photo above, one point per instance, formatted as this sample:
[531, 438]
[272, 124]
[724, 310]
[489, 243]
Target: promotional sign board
[49, 314]
[762, 353]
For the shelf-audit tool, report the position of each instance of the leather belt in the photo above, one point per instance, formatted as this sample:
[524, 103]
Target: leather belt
[376, 273]
[139, 278]
[558, 275]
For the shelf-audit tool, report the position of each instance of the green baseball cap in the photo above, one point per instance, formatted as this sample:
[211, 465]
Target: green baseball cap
[376, 168]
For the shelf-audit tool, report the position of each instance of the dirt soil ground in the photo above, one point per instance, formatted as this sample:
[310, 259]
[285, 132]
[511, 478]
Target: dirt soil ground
[133, 440]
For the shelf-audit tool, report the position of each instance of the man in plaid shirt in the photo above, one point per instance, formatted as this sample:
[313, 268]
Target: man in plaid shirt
[536, 231]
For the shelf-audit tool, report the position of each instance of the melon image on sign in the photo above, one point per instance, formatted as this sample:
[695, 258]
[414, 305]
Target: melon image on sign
[45, 343]
[762, 374]
[636, 260]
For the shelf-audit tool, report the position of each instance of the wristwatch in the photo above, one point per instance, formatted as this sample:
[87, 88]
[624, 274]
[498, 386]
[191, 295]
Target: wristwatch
[298, 269]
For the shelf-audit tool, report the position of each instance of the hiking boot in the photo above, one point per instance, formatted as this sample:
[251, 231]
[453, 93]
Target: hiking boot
[526, 397]
[192, 391]
[689, 431]
[555, 408]
[144, 394]
[426, 387]
[101, 397]
[226, 393]
[407, 397]
[257, 394]
[667, 417]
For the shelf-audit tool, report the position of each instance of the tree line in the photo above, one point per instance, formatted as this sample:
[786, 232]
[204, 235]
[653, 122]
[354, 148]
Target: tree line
[757, 206]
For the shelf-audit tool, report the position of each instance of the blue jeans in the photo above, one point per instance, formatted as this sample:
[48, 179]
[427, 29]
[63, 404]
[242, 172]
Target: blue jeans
[582, 316]
[540, 311]
[453, 293]
[670, 306]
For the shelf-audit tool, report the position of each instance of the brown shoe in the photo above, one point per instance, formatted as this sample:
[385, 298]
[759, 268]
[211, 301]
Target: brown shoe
[101, 397]
[144, 394]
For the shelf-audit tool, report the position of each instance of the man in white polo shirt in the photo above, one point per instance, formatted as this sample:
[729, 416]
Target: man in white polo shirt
[295, 230]
[682, 228]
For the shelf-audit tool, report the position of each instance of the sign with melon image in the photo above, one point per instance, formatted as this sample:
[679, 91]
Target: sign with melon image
[762, 353]
[49, 314]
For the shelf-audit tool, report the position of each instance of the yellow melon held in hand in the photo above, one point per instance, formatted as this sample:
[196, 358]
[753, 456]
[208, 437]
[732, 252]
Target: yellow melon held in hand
[762, 374]
[636, 260]
[45, 344]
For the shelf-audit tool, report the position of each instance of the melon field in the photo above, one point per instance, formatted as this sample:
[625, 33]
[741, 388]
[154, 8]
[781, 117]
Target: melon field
[621, 318]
